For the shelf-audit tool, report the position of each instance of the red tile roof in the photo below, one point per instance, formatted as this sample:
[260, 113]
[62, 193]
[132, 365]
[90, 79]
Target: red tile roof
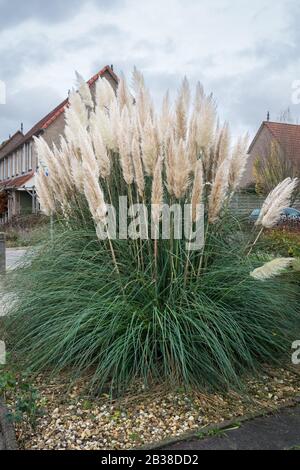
[287, 136]
[17, 182]
[56, 112]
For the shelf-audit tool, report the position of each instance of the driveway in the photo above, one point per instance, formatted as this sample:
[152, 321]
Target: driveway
[13, 257]
[280, 431]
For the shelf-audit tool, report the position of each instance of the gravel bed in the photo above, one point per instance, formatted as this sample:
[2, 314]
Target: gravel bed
[73, 420]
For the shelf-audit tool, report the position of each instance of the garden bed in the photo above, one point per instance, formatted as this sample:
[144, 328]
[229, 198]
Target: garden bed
[72, 420]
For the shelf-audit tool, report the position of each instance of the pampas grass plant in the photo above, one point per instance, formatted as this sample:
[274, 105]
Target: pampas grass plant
[151, 309]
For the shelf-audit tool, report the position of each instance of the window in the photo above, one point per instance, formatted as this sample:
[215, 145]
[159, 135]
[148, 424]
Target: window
[30, 156]
[9, 167]
[23, 156]
[13, 162]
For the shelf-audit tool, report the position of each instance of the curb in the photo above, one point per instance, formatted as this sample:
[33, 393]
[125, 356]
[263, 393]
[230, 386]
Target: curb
[204, 431]
[6, 429]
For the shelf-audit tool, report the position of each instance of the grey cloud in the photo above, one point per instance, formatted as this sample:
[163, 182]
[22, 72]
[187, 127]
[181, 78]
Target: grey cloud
[100, 35]
[27, 106]
[14, 12]
[29, 53]
[246, 99]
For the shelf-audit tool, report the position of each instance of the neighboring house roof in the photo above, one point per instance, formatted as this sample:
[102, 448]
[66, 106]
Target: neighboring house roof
[287, 136]
[7, 145]
[56, 112]
[18, 182]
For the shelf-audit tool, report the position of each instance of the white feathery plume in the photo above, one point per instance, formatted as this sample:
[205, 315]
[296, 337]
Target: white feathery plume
[192, 145]
[100, 151]
[111, 140]
[271, 197]
[84, 91]
[45, 195]
[282, 199]
[49, 160]
[223, 142]
[206, 123]
[272, 269]
[238, 162]
[123, 95]
[166, 121]
[157, 192]
[87, 152]
[170, 165]
[77, 174]
[76, 115]
[182, 170]
[199, 96]
[138, 166]
[64, 181]
[197, 192]
[137, 81]
[182, 109]
[105, 94]
[94, 196]
[101, 123]
[143, 102]
[219, 192]
[125, 131]
[66, 155]
[150, 146]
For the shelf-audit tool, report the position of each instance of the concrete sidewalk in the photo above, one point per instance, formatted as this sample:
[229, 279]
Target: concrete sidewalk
[280, 431]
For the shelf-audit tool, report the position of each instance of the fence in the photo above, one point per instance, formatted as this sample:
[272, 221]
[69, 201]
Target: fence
[244, 204]
[3, 218]
[2, 253]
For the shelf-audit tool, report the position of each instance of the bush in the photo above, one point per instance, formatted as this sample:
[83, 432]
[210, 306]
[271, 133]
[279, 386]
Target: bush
[283, 242]
[24, 231]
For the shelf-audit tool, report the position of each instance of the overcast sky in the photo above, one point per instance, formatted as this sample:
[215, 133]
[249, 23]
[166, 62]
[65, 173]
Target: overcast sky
[246, 53]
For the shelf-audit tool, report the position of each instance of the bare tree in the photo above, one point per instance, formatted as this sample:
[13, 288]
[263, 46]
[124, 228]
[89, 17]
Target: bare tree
[273, 165]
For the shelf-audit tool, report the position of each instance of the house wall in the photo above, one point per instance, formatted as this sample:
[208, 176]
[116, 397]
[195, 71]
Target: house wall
[54, 131]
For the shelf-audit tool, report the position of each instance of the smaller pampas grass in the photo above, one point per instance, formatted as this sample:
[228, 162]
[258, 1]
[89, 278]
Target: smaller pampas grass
[272, 269]
[278, 199]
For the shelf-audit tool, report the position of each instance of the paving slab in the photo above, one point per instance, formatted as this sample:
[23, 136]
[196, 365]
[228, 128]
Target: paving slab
[280, 431]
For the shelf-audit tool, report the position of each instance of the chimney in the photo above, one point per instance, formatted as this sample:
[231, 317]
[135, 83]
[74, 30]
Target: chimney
[112, 67]
[22, 127]
[268, 116]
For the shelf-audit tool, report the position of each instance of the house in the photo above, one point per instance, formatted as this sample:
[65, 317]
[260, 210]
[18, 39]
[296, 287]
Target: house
[18, 157]
[286, 136]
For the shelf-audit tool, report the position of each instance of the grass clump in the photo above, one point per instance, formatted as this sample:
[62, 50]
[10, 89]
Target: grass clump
[149, 307]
